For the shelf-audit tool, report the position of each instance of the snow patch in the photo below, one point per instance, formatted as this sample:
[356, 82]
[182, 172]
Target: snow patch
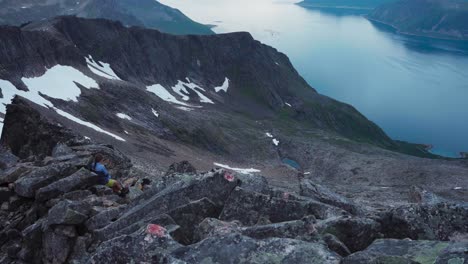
[155, 112]
[125, 131]
[457, 188]
[181, 89]
[186, 109]
[123, 116]
[104, 71]
[307, 173]
[288, 104]
[223, 87]
[162, 93]
[269, 135]
[240, 170]
[275, 142]
[57, 82]
[87, 124]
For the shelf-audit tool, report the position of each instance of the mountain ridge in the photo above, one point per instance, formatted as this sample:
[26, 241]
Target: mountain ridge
[146, 13]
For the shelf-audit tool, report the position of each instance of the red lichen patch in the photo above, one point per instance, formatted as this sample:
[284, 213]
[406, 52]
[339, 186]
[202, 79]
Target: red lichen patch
[156, 230]
[229, 177]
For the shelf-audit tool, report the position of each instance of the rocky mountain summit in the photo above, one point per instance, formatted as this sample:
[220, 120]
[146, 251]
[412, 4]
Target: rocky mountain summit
[447, 19]
[52, 211]
[144, 13]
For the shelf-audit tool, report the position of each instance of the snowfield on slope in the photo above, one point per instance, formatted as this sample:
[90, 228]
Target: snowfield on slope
[162, 93]
[104, 71]
[123, 116]
[224, 87]
[57, 82]
[181, 89]
[240, 170]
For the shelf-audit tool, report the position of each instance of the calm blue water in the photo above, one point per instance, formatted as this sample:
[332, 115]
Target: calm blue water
[416, 89]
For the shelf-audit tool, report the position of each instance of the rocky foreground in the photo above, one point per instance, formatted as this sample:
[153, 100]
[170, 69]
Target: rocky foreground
[52, 211]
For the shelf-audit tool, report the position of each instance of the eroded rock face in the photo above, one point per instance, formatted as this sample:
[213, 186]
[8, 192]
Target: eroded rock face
[27, 133]
[236, 248]
[389, 251]
[426, 221]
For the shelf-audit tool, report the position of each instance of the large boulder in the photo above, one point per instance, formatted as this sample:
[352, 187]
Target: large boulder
[57, 244]
[68, 213]
[250, 207]
[183, 167]
[14, 173]
[235, 248]
[27, 133]
[391, 251]
[320, 193]
[78, 180]
[422, 196]
[27, 185]
[188, 216]
[356, 233]
[213, 186]
[151, 244]
[426, 221]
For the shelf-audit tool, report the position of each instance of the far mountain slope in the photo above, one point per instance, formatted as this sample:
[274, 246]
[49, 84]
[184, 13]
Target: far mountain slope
[146, 13]
[344, 4]
[447, 19]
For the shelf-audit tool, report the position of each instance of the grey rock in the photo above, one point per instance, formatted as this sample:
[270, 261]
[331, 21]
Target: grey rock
[79, 253]
[40, 177]
[235, 248]
[355, 232]
[78, 180]
[31, 248]
[214, 227]
[5, 194]
[336, 245]
[213, 186]
[103, 218]
[56, 247]
[151, 244]
[188, 216]
[61, 149]
[68, 213]
[425, 221]
[183, 167]
[420, 195]
[298, 229]
[320, 193]
[253, 182]
[13, 174]
[249, 207]
[77, 195]
[389, 251]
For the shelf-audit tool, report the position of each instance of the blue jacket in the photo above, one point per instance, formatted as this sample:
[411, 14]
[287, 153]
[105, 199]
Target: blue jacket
[101, 170]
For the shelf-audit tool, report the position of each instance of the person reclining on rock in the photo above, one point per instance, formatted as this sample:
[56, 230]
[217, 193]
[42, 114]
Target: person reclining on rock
[105, 178]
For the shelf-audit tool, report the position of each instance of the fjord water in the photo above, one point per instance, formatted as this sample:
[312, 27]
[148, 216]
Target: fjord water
[416, 89]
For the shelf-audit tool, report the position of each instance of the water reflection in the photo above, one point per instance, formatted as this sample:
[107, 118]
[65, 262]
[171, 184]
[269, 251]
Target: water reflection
[414, 88]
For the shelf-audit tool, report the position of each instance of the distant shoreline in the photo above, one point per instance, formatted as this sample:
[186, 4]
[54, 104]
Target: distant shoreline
[412, 34]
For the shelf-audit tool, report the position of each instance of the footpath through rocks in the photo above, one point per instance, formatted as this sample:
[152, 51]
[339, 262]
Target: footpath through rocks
[53, 211]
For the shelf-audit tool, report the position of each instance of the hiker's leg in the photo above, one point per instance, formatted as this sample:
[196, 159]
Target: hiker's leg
[117, 187]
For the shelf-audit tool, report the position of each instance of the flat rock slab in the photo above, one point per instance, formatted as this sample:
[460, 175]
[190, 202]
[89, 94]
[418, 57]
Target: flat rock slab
[236, 248]
[390, 251]
[249, 207]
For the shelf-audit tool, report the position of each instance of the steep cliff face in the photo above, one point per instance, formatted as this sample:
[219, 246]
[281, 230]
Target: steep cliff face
[431, 18]
[209, 91]
[147, 13]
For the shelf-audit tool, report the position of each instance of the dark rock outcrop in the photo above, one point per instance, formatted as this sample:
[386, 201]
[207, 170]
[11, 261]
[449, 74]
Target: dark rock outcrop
[426, 221]
[147, 13]
[315, 191]
[20, 131]
[388, 251]
[240, 249]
